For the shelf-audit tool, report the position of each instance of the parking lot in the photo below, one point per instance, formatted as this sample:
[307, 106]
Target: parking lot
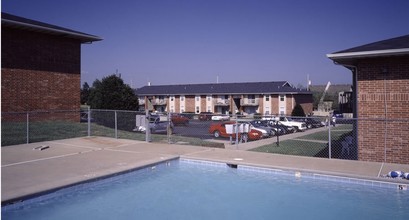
[198, 129]
[195, 128]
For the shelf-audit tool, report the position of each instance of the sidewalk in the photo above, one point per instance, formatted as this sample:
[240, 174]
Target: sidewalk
[27, 171]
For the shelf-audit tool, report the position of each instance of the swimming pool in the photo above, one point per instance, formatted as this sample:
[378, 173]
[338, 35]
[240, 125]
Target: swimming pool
[189, 189]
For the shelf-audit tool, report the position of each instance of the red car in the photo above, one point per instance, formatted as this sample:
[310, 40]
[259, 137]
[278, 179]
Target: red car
[179, 120]
[219, 130]
[205, 116]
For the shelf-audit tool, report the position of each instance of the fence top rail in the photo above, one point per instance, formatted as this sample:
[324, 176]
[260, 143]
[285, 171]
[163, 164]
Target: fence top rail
[233, 115]
[111, 110]
[42, 111]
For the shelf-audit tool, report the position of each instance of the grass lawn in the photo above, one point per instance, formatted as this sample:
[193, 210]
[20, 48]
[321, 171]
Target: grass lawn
[13, 133]
[301, 147]
[16, 132]
[293, 147]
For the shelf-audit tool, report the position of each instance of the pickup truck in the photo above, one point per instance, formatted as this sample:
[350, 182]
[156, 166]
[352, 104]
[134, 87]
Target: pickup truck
[156, 125]
[299, 126]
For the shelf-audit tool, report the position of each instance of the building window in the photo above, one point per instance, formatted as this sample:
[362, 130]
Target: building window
[197, 109]
[267, 98]
[182, 98]
[282, 98]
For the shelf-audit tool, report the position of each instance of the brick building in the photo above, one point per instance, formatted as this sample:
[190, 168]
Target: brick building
[40, 65]
[380, 73]
[247, 98]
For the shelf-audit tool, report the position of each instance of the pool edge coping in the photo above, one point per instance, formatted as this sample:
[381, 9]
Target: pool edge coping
[324, 174]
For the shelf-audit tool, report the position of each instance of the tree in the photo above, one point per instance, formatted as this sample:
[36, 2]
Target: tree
[298, 111]
[112, 93]
[85, 93]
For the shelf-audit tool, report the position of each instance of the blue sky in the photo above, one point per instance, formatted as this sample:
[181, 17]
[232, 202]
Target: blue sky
[200, 41]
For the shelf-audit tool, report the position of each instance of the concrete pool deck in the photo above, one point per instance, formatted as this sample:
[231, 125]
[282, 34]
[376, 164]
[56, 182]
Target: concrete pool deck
[26, 171]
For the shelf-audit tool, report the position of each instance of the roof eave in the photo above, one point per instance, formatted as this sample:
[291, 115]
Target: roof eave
[367, 54]
[85, 38]
[349, 59]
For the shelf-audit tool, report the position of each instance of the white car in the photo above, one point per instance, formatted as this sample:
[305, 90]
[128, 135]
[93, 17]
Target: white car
[298, 126]
[220, 118]
[268, 118]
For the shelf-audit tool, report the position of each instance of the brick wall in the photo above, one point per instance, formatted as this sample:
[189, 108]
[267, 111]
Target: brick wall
[383, 92]
[306, 102]
[190, 103]
[261, 104]
[39, 72]
[42, 52]
[274, 104]
[289, 104]
[31, 90]
[177, 103]
[203, 107]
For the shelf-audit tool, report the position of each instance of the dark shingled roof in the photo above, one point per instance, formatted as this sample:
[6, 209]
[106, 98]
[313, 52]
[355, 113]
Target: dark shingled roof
[221, 88]
[398, 46]
[389, 44]
[9, 20]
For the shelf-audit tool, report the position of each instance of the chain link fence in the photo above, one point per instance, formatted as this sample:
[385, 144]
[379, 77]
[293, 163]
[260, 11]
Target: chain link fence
[323, 137]
[29, 127]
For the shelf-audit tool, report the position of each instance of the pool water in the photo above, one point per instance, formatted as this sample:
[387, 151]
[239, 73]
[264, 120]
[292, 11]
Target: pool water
[192, 190]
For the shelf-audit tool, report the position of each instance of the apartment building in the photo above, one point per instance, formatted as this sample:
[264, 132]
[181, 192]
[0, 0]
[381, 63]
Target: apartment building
[224, 98]
[40, 65]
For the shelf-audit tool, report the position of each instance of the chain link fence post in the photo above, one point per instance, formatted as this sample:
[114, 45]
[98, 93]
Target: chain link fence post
[329, 137]
[116, 125]
[147, 127]
[237, 132]
[169, 127]
[28, 127]
[89, 121]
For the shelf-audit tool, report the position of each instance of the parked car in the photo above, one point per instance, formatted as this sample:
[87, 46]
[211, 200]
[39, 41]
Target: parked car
[268, 118]
[264, 128]
[299, 126]
[219, 130]
[179, 119]
[287, 129]
[279, 129]
[220, 118]
[337, 114]
[205, 116]
[311, 122]
[156, 125]
[188, 115]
